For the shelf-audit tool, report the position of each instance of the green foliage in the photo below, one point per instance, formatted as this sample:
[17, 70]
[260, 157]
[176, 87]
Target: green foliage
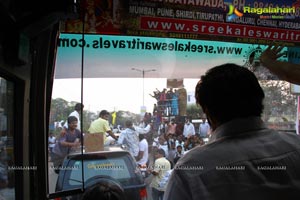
[194, 111]
[279, 102]
[60, 110]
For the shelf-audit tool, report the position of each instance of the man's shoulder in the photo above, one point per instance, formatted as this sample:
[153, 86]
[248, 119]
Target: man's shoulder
[123, 131]
[144, 142]
[246, 147]
[74, 113]
[77, 131]
[292, 138]
[162, 161]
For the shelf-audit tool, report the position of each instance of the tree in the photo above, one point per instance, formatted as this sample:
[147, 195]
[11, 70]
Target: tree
[60, 109]
[279, 102]
[194, 111]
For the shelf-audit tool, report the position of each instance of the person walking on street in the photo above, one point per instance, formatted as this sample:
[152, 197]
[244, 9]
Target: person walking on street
[51, 142]
[160, 168]
[66, 143]
[143, 155]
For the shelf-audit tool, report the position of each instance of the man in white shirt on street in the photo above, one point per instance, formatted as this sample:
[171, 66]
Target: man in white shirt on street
[142, 158]
[188, 129]
[204, 128]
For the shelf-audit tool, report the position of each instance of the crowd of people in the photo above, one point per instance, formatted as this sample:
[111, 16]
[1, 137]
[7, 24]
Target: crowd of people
[160, 149]
[170, 102]
[150, 145]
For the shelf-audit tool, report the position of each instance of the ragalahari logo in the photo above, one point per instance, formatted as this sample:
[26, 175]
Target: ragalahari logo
[233, 13]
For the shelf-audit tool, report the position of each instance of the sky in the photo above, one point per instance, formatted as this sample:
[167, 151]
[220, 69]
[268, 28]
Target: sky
[113, 94]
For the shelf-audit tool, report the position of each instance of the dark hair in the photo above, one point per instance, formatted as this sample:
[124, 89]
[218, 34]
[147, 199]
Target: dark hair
[72, 119]
[161, 152]
[141, 136]
[104, 191]
[78, 106]
[230, 91]
[128, 123]
[103, 112]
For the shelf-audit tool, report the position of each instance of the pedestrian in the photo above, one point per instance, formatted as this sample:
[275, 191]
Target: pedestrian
[204, 128]
[130, 138]
[143, 155]
[182, 101]
[178, 154]
[66, 143]
[244, 159]
[160, 168]
[188, 129]
[172, 127]
[51, 142]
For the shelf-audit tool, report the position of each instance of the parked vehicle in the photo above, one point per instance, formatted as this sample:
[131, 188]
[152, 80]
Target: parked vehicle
[116, 166]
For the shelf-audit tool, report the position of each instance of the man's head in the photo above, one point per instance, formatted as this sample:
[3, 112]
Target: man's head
[72, 122]
[78, 106]
[104, 114]
[128, 124]
[160, 153]
[227, 92]
[187, 120]
[141, 137]
[179, 148]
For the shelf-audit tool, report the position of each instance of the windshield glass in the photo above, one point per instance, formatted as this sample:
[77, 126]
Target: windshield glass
[141, 60]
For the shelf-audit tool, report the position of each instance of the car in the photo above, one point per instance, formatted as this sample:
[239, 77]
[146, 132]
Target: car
[115, 165]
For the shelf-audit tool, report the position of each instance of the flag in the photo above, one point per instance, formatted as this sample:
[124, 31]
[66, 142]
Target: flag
[114, 116]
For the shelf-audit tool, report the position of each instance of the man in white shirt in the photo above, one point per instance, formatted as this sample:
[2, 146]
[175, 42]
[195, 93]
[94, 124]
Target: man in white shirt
[204, 128]
[142, 158]
[145, 130]
[188, 129]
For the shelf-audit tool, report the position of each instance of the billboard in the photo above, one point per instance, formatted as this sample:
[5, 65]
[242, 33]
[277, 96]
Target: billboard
[245, 21]
[115, 55]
